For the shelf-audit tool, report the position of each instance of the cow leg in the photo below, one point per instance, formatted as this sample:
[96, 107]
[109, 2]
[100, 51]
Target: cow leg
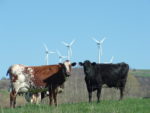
[50, 98]
[121, 92]
[98, 94]
[43, 94]
[90, 96]
[38, 98]
[13, 99]
[55, 97]
[14, 102]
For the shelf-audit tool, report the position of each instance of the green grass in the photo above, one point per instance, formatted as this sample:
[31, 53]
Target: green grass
[106, 106]
[4, 92]
[145, 73]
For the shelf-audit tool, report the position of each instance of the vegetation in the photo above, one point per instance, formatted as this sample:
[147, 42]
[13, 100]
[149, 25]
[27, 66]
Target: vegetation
[105, 106]
[145, 73]
[75, 92]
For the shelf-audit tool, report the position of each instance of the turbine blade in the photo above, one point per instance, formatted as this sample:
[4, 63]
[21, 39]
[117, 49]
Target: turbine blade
[45, 46]
[51, 52]
[72, 42]
[64, 57]
[95, 40]
[65, 43]
[60, 60]
[58, 53]
[103, 40]
[112, 58]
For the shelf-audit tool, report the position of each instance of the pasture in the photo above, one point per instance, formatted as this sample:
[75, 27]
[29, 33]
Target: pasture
[144, 73]
[74, 99]
[106, 106]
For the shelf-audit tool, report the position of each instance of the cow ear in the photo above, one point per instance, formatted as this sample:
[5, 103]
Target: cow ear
[80, 63]
[60, 64]
[73, 64]
[93, 63]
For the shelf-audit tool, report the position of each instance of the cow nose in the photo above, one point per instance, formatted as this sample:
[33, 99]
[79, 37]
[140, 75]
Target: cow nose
[68, 74]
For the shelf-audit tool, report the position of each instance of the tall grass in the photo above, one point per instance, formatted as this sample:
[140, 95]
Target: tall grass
[105, 106]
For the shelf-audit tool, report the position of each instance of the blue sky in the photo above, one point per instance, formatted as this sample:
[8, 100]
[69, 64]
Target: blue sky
[26, 24]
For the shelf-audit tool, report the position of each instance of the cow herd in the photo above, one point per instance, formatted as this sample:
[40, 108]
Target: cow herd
[38, 81]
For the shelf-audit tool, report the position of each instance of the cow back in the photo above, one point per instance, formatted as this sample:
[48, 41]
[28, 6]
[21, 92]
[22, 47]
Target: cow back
[113, 74]
[42, 73]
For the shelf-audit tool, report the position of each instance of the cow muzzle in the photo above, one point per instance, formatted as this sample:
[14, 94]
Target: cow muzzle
[68, 74]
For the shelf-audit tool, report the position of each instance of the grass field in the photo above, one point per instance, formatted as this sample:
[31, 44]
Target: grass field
[139, 72]
[75, 92]
[106, 106]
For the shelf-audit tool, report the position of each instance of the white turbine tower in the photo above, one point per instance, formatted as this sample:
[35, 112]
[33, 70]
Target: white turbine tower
[99, 44]
[47, 52]
[60, 56]
[68, 45]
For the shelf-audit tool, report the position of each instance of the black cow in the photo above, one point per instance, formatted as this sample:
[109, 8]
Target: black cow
[113, 75]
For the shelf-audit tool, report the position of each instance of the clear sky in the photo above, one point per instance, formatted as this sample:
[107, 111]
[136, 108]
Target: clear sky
[26, 24]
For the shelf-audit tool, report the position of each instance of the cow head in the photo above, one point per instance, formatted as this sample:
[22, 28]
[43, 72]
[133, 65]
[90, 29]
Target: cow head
[66, 67]
[87, 66]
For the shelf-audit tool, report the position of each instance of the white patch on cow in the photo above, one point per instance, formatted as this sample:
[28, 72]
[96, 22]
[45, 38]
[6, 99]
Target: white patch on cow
[17, 70]
[31, 72]
[67, 65]
[23, 79]
[47, 92]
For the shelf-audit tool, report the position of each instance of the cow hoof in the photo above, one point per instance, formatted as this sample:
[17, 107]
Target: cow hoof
[98, 102]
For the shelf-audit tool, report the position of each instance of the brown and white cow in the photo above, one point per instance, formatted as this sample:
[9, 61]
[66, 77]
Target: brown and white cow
[38, 78]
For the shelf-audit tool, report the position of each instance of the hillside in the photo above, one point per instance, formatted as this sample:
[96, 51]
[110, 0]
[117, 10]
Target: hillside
[145, 73]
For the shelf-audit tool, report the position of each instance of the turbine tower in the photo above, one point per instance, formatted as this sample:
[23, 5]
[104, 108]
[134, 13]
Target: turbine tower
[99, 44]
[60, 56]
[47, 52]
[68, 45]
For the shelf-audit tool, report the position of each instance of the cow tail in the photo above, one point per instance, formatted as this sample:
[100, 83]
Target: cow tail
[8, 71]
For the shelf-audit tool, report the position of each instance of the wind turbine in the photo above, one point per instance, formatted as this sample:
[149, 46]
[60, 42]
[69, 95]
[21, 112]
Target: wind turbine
[60, 56]
[47, 52]
[68, 45]
[99, 44]
[111, 60]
